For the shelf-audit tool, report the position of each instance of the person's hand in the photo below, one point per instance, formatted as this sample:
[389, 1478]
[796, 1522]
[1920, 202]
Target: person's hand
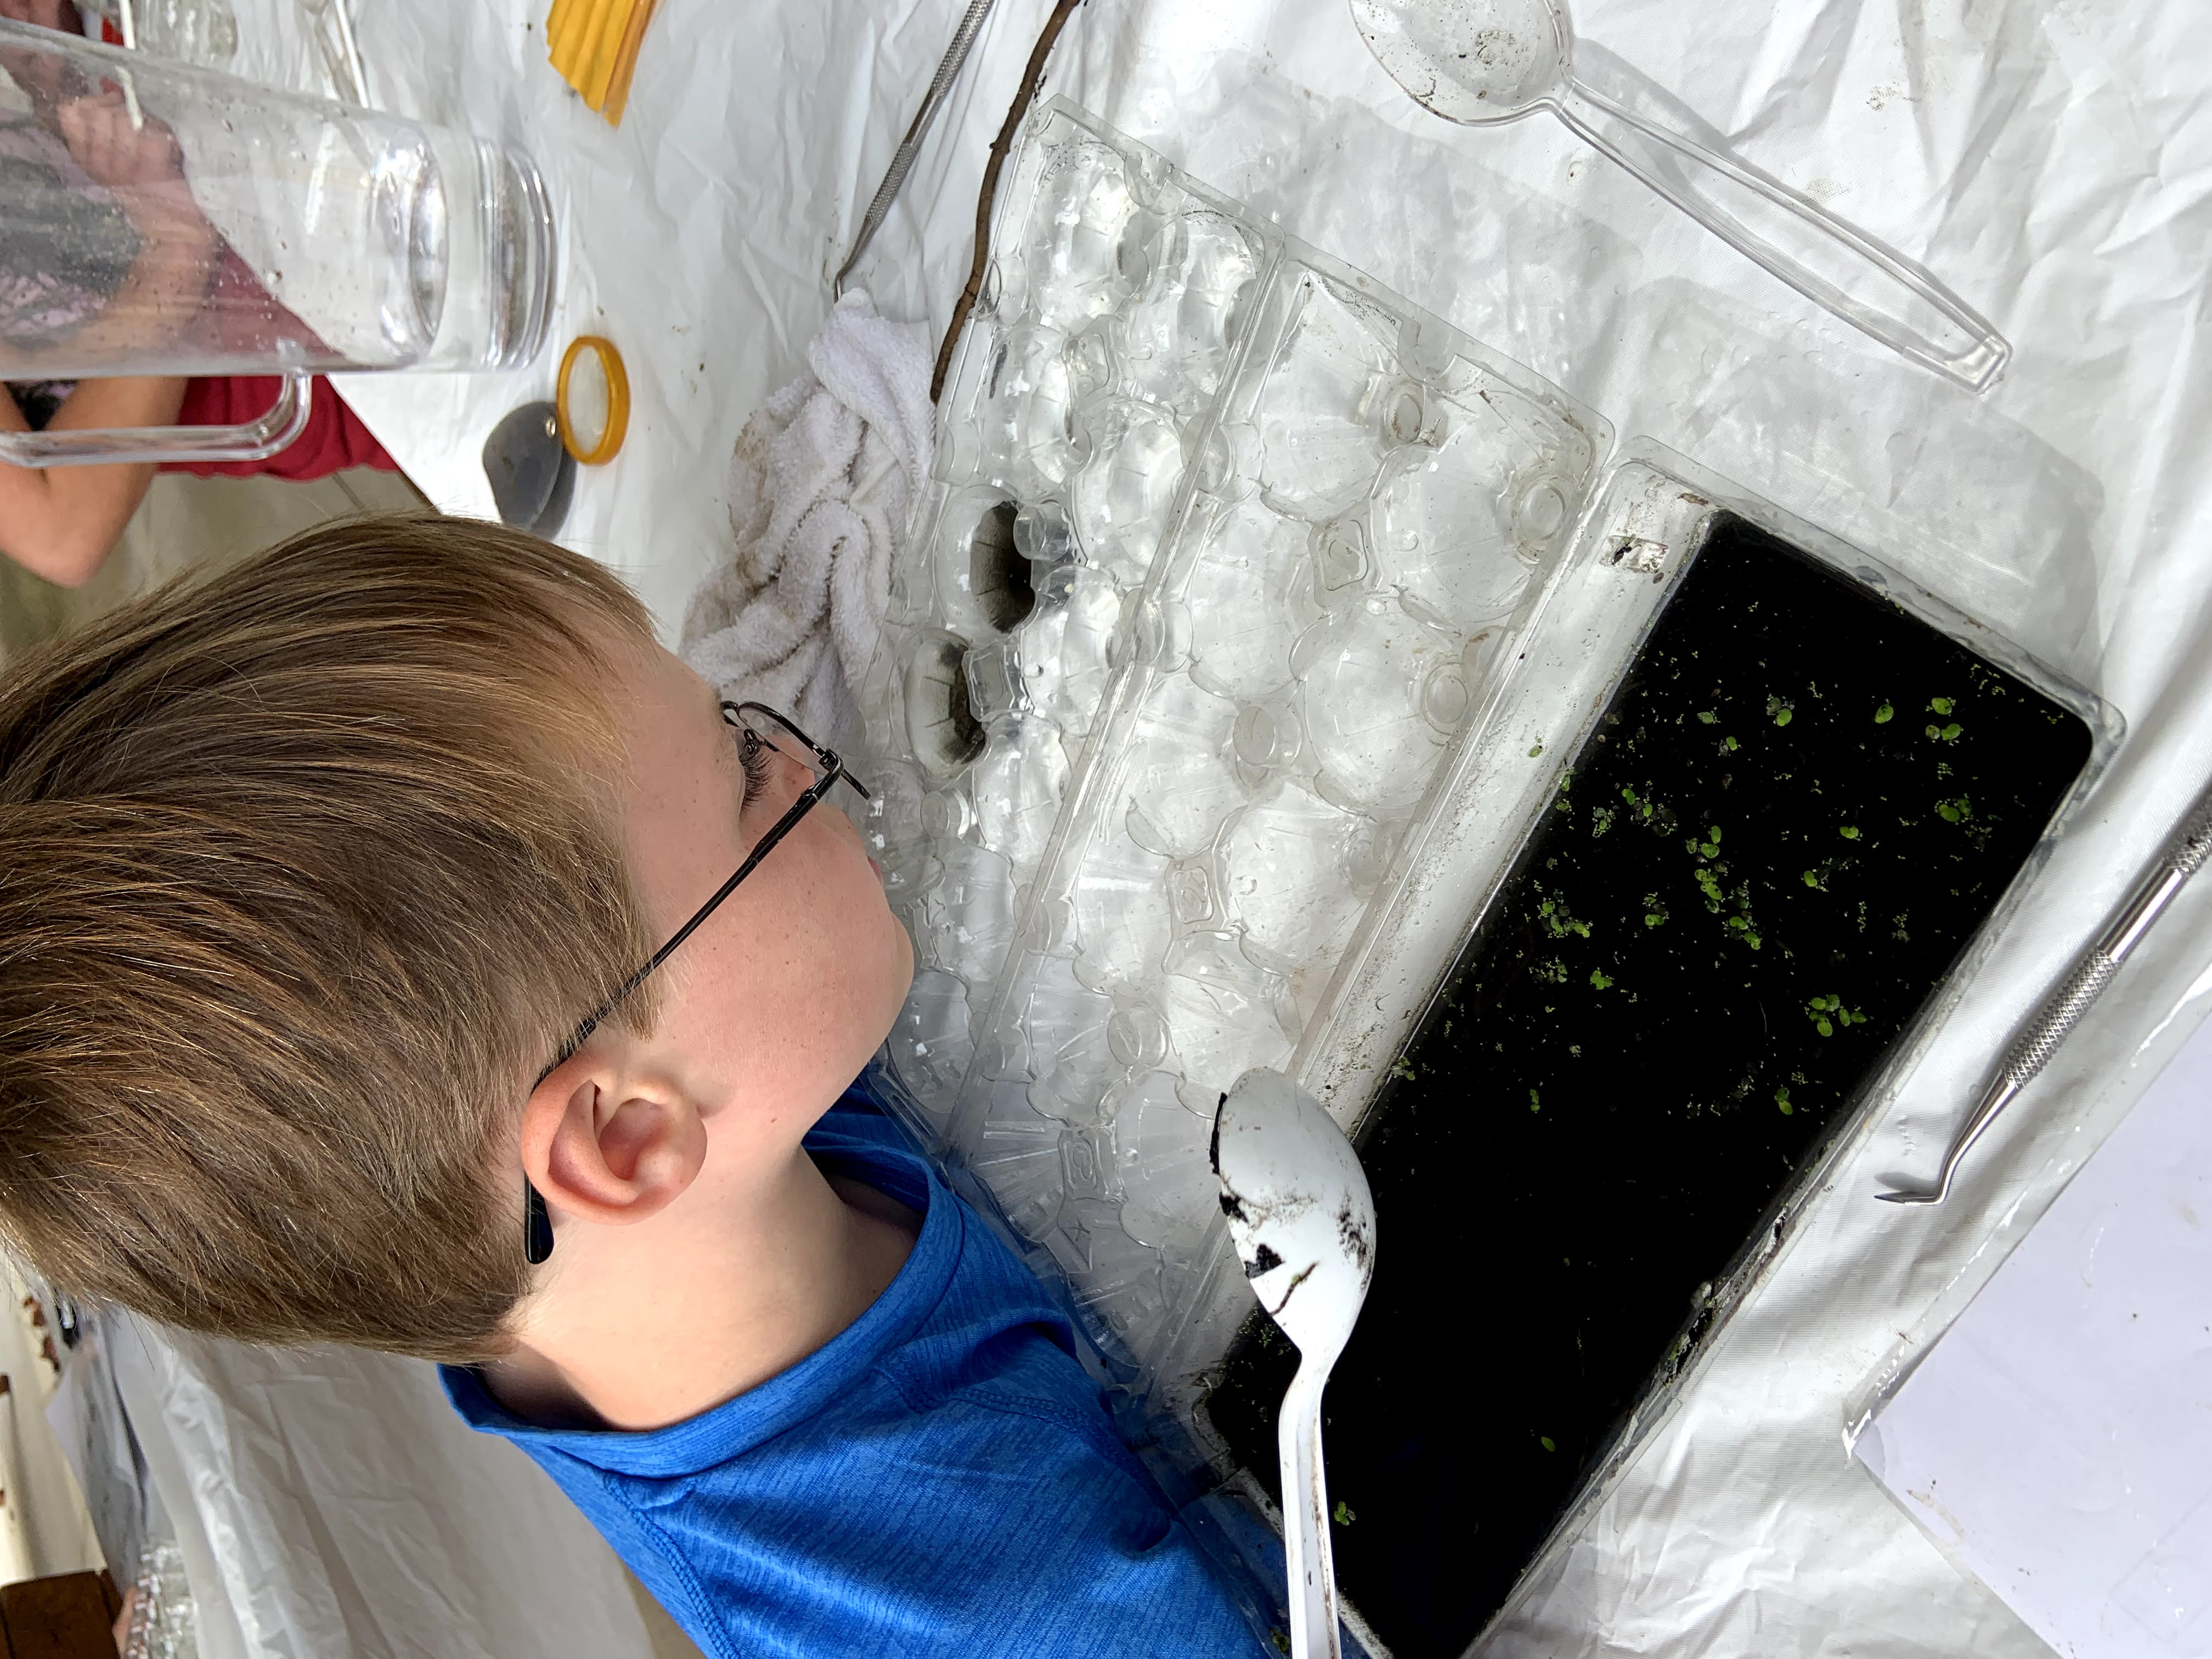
[142, 168]
[97, 130]
[47, 77]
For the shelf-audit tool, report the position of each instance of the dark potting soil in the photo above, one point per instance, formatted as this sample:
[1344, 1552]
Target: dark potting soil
[1791, 819]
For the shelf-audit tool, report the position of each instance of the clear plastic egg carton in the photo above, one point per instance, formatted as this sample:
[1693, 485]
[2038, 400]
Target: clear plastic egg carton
[1106, 331]
[1228, 554]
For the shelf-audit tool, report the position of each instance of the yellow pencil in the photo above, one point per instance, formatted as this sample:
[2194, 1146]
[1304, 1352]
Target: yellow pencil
[576, 47]
[626, 61]
[563, 16]
[605, 51]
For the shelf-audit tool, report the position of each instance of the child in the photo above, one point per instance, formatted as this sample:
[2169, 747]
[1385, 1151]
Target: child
[332, 888]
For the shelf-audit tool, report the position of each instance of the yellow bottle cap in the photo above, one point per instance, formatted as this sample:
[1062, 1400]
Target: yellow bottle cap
[594, 408]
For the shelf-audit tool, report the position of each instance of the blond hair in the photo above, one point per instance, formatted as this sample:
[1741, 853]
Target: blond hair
[306, 868]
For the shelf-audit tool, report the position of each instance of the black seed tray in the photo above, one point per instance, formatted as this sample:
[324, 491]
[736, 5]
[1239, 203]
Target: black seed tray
[1789, 822]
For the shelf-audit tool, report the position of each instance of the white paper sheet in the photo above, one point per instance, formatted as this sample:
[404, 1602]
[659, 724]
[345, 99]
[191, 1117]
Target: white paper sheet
[2058, 1438]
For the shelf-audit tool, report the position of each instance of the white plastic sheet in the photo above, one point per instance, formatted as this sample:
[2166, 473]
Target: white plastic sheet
[329, 1502]
[2051, 159]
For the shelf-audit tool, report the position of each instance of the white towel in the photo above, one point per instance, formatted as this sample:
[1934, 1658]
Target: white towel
[820, 487]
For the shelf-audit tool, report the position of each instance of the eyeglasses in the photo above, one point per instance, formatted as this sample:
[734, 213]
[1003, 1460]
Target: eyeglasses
[758, 727]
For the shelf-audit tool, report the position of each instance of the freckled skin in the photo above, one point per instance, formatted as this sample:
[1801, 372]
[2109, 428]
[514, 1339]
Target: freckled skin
[672, 1158]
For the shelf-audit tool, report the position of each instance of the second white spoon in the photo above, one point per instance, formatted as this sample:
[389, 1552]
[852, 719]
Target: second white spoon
[1304, 1221]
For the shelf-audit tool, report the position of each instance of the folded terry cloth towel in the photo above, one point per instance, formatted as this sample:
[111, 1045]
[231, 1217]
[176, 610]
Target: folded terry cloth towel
[819, 486]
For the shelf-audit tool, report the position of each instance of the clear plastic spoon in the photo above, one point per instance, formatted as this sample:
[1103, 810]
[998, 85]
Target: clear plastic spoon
[1484, 62]
[1304, 1221]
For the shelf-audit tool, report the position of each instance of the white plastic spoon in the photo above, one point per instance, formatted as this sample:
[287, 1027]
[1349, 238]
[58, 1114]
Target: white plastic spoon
[1304, 1221]
[1482, 62]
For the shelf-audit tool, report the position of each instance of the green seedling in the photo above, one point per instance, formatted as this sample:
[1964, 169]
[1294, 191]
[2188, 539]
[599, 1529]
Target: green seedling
[1709, 719]
[1599, 982]
[1946, 733]
[1849, 832]
[1341, 1514]
[1536, 1101]
[1828, 1012]
[1537, 750]
[1782, 1099]
[1556, 921]
[1953, 811]
[1710, 885]
[1545, 1440]
[1940, 705]
[1883, 715]
[1778, 709]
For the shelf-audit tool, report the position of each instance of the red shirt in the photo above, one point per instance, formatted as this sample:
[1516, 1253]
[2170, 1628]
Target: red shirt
[335, 438]
[240, 313]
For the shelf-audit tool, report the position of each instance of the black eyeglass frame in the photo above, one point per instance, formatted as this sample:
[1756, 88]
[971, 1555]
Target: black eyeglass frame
[536, 1223]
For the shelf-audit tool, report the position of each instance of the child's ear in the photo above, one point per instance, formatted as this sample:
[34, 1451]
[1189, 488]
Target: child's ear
[609, 1148]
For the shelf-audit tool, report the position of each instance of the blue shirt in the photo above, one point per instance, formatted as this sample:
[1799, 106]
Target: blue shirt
[941, 1478]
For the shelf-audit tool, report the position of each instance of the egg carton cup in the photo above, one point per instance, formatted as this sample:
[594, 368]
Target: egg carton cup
[1228, 555]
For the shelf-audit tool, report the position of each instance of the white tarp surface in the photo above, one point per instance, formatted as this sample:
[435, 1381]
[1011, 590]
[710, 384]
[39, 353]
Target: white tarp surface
[2051, 159]
[328, 1501]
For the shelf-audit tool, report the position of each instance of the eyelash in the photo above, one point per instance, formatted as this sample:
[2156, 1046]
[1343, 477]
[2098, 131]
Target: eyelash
[753, 756]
